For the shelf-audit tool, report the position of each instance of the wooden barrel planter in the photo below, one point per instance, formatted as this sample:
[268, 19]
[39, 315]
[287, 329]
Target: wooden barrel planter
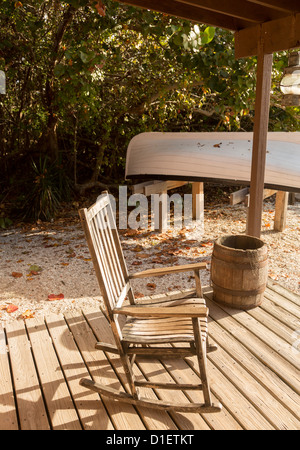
[239, 271]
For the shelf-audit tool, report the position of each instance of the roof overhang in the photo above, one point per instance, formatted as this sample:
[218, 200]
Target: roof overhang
[271, 24]
[274, 36]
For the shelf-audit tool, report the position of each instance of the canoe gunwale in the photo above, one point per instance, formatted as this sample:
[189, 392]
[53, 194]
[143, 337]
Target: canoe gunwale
[146, 177]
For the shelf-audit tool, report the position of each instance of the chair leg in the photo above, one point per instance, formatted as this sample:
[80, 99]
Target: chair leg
[125, 360]
[201, 355]
[129, 374]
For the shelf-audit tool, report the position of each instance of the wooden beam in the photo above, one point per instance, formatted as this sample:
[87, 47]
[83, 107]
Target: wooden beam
[261, 122]
[139, 188]
[190, 12]
[162, 186]
[267, 194]
[247, 11]
[280, 5]
[238, 196]
[277, 35]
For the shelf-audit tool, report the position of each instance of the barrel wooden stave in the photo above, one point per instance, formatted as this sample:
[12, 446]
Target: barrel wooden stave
[239, 271]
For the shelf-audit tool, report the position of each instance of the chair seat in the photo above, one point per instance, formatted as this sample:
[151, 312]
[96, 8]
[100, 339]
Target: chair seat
[163, 330]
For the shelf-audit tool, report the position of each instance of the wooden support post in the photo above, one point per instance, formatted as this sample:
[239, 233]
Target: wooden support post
[261, 122]
[198, 201]
[281, 210]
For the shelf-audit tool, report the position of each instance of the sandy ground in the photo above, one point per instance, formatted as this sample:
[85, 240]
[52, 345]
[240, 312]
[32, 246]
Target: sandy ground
[53, 258]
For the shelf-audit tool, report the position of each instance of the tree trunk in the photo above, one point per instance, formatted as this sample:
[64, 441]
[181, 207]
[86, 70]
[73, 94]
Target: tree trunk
[48, 142]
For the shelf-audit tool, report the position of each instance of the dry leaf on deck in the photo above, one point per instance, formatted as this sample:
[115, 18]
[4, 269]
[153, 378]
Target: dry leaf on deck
[17, 275]
[11, 308]
[28, 314]
[52, 297]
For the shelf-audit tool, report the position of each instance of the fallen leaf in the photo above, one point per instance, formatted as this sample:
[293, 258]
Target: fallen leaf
[130, 232]
[143, 255]
[17, 275]
[138, 248]
[28, 314]
[11, 308]
[151, 285]
[35, 268]
[157, 260]
[52, 297]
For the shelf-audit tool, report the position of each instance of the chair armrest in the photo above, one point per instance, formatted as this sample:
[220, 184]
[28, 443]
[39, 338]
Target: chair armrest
[168, 270]
[172, 311]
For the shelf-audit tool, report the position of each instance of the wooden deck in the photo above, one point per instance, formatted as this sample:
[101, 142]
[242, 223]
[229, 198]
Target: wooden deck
[254, 374]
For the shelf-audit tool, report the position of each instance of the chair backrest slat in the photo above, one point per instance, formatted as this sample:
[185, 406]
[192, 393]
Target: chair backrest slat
[117, 271]
[107, 256]
[105, 248]
[103, 260]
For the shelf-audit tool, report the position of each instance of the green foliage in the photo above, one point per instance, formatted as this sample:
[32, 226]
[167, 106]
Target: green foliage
[47, 189]
[5, 222]
[80, 86]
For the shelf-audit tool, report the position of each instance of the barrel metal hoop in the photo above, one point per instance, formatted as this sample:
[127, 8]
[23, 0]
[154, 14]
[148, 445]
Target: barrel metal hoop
[244, 266]
[235, 293]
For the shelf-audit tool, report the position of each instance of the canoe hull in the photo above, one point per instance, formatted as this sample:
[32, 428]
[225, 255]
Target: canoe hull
[218, 157]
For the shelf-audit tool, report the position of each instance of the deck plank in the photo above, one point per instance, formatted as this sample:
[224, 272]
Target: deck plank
[255, 343]
[123, 416]
[60, 406]
[155, 419]
[273, 324]
[181, 372]
[284, 316]
[8, 416]
[264, 402]
[283, 292]
[269, 337]
[284, 302]
[256, 368]
[251, 374]
[89, 406]
[29, 398]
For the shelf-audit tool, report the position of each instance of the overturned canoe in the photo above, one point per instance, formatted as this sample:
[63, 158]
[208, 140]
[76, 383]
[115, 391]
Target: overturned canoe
[218, 157]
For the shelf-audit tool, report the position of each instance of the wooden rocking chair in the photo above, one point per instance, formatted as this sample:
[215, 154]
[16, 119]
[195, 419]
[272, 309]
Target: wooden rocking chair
[159, 322]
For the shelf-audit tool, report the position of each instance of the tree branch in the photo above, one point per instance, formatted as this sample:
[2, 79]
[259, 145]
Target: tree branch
[139, 109]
